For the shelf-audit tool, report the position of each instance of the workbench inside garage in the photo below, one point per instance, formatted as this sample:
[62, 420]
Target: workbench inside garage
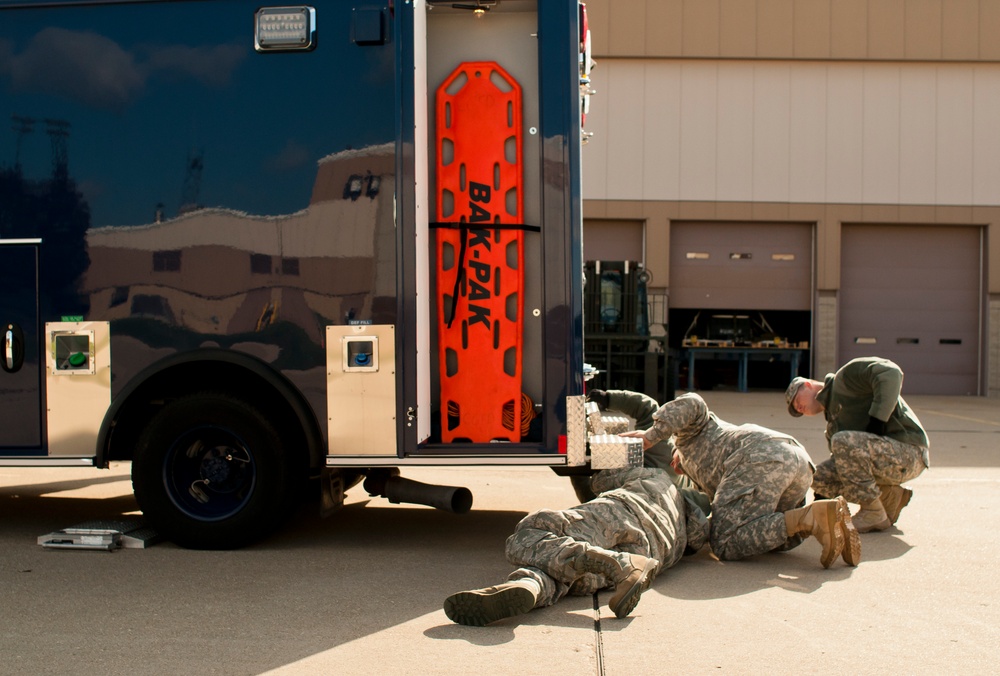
[743, 355]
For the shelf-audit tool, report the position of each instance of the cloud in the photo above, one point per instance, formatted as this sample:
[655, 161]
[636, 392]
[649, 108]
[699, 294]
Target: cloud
[292, 156]
[212, 66]
[77, 65]
[94, 70]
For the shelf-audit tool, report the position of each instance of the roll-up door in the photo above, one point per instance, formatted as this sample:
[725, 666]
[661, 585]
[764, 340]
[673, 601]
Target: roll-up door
[758, 266]
[913, 294]
[612, 240]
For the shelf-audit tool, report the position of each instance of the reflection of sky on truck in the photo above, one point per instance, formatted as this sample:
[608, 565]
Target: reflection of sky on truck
[116, 75]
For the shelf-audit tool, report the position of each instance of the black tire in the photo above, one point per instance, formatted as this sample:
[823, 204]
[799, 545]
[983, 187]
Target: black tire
[581, 486]
[210, 472]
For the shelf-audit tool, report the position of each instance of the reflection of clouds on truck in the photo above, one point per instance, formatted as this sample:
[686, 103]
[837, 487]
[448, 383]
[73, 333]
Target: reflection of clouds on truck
[97, 71]
[140, 100]
[326, 264]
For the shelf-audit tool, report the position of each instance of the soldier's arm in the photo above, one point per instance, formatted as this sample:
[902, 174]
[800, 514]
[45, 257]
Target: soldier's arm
[686, 411]
[886, 381]
[609, 479]
[634, 404]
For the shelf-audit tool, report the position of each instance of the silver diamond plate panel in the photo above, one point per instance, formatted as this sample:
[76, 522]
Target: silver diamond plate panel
[576, 430]
[608, 451]
[616, 424]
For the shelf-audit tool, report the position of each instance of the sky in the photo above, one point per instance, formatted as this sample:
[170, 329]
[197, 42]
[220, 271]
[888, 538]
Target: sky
[147, 87]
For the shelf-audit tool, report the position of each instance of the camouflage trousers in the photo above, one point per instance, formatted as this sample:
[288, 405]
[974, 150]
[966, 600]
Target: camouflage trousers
[861, 462]
[749, 504]
[547, 544]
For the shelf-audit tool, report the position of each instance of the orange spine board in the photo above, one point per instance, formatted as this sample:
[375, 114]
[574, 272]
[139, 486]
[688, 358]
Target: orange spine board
[479, 268]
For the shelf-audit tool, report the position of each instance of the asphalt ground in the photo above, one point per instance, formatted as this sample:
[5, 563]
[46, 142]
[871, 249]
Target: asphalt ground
[362, 591]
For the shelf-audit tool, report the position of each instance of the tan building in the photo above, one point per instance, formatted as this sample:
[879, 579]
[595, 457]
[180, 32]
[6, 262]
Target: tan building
[830, 165]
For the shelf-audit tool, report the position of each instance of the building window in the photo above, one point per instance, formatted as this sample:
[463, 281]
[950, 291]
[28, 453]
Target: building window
[166, 261]
[260, 264]
[290, 266]
[152, 306]
[118, 296]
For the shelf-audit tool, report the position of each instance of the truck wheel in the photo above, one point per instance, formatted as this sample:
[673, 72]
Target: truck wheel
[581, 486]
[210, 472]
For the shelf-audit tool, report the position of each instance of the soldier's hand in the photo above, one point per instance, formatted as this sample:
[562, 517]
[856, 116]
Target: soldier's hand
[638, 434]
[675, 462]
[875, 426]
[599, 397]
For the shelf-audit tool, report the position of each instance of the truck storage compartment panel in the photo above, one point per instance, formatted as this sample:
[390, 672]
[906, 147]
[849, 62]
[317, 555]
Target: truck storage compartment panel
[480, 253]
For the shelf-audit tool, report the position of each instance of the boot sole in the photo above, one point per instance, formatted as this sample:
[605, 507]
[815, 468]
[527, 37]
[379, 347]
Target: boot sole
[478, 608]
[834, 519]
[852, 541]
[903, 502]
[626, 603]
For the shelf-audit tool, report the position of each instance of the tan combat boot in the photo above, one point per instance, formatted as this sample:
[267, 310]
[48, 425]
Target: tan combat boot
[852, 541]
[479, 607]
[871, 517]
[824, 520]
[894, 498]
[631, 578]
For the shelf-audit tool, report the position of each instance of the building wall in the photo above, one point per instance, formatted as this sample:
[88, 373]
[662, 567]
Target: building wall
[899, 30]
[820, 111]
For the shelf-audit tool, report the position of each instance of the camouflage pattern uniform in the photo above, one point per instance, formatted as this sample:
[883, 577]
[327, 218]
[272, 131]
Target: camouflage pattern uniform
[752, 475]
[639, 511]
[641, 408]
[866, 388]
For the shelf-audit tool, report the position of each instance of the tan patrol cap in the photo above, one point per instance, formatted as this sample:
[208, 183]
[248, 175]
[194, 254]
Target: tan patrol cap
[793, 389]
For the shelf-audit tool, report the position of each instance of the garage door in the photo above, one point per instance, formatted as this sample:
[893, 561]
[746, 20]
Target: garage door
[612, 240]
[913, 294]
[759, 266]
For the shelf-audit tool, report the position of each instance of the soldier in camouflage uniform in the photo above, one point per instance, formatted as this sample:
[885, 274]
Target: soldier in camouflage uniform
[641, 408]
[639, 525]
[876, 442]
[757, 480]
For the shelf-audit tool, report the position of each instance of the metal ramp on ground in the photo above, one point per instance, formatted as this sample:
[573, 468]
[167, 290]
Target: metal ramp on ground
[102, 535]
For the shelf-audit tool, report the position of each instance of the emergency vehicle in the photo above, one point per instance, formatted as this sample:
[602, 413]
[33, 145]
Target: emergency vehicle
[252, 248]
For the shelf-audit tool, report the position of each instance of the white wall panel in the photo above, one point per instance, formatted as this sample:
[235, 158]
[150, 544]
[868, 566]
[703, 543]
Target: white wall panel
[626, 108]
[954, 135]
[874, 133]
[662, 160]
[771, 142]
[844, 133]
[880, 136]
[986, 148]
[736, 136]
[917, 133]
[699, 130]
[807, 124]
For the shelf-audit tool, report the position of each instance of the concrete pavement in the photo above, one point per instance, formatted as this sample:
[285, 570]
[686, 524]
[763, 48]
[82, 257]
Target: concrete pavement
[361, 592]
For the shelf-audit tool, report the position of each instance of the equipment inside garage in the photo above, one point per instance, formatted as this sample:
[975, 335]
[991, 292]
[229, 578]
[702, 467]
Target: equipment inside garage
[740, 299]
[739, 348]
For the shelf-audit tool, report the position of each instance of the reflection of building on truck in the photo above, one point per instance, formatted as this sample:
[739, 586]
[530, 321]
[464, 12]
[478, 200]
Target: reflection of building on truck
[369, 267]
